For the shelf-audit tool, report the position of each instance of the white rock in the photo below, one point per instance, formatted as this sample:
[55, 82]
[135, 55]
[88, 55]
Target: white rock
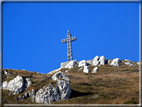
[58, 75]
[95, 70]
[6, 73]
[4, 85]
[96, 61]
[102, 60]
[71, 64]
[62, 90]
[129, 63]
[86, 69]
[138, 63]
[15, 85]
[28, 82]
[64, 85]
[82, 63]
[40, 91]
[63, 64]
[115, 62]
[66, 70]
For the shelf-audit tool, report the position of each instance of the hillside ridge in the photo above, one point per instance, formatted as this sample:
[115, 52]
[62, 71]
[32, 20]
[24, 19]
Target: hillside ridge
[97, 81]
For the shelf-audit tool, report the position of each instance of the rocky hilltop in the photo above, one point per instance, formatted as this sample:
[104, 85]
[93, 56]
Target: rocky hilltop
[97, 81]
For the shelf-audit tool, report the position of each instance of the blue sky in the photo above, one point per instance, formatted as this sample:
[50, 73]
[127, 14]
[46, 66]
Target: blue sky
[32, 33]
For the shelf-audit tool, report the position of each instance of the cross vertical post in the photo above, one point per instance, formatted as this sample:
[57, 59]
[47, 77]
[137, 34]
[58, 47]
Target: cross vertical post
[69, 40]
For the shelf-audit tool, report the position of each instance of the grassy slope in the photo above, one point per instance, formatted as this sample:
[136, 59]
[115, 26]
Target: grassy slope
[113, 85]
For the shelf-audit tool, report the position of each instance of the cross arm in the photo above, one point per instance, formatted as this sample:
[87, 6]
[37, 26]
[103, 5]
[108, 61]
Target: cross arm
[73, 38]
[64, 40]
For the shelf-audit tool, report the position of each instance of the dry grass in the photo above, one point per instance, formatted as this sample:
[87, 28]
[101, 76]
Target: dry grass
[113, 85]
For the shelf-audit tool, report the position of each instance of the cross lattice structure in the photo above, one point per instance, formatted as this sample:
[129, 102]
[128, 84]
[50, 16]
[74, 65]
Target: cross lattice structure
[69, 40]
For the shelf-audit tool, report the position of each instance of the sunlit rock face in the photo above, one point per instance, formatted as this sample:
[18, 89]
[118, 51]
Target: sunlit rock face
[28, 82]
[96, 61]
[82, 63]
[17, 85]
[99, 60]
[62, 91]
[102, 60]
[71, 64]
[95, 70]
[129, 63]
[86, 69]
[115, 62]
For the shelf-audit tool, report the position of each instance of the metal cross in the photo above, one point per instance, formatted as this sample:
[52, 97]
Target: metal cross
[68, 40]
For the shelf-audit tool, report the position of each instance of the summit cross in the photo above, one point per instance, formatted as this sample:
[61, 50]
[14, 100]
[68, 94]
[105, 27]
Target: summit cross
[69, 40]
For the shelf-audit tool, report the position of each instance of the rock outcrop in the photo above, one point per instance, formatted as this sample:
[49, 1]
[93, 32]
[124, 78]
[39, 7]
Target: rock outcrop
[62, 90]
[129, 63]
[28, 82]
[6, 73]
[86, 69]
[16, 85]
[102, 60]
[99, 61]
[95, 70]
[96, 61]
[71, 64]
[82, 63]
[115, 62]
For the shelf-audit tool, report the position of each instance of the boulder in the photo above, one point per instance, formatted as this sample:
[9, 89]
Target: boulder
[62, 90]
[44, 97]
[66, 70]
[82, 63]
[138, 63]
[102, 60]
[58, 75]
[99, 61]
[95, 70]
[16, 85]
[71, 64]
[115, 62]
[28, 82]
[86, 69]
[96, 61]
[32, 95]
[4, 85]
[6, 73]
[63, 64]
[128, 63]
